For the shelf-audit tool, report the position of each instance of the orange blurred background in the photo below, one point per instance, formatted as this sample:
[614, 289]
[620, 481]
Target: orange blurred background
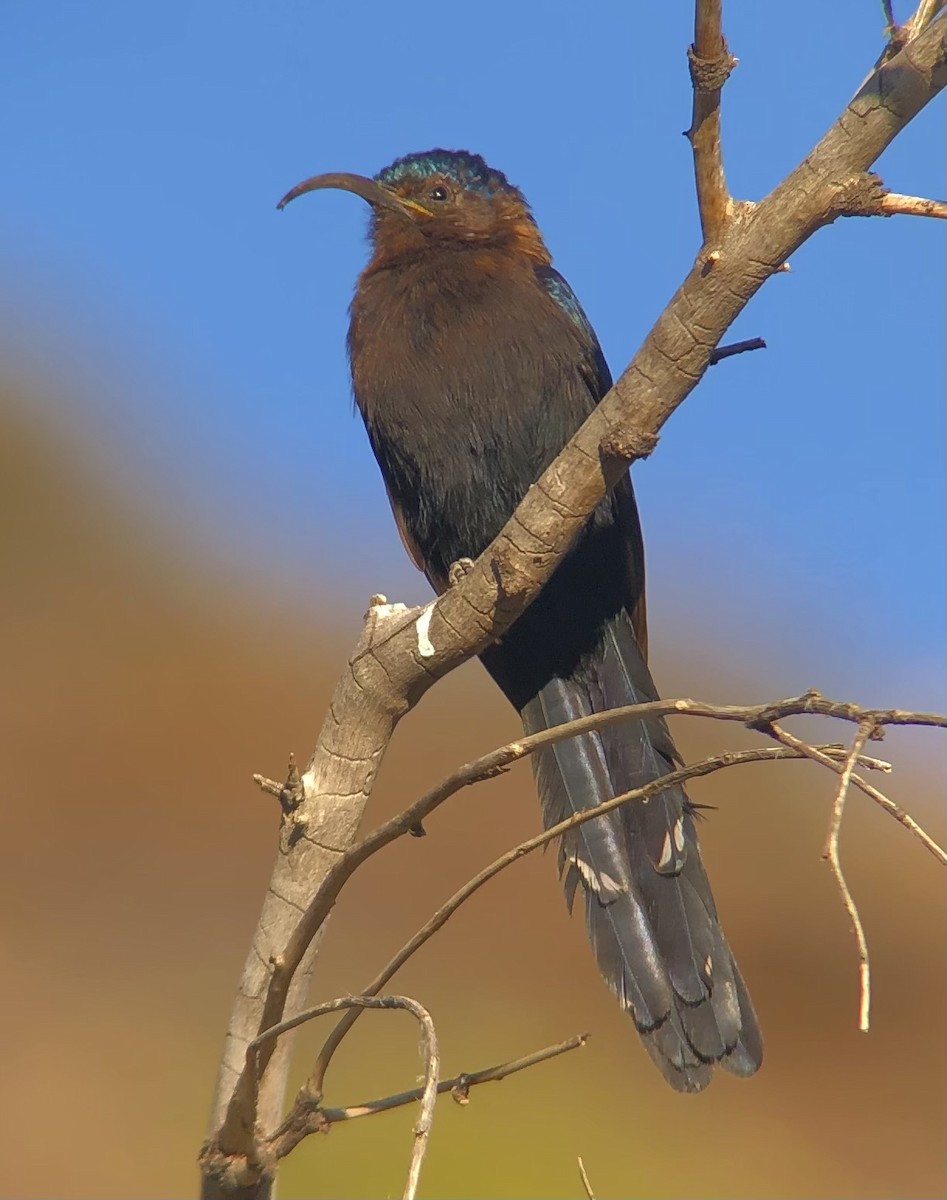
[142, 687]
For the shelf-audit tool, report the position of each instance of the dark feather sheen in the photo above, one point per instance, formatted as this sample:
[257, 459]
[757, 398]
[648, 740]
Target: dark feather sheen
[472, 366]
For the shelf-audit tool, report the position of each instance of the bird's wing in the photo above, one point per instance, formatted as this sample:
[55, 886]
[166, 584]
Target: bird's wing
[437, 582]
[599, 380]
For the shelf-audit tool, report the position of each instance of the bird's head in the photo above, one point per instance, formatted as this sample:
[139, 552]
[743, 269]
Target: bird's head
[439, 196]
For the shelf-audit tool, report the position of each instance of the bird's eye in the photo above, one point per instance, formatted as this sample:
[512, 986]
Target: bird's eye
[439, 193]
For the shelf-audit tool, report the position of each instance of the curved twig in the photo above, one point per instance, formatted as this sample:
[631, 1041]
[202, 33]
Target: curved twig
[308, 1115]
[390, 672]
[817, 754]
[446, 911]
[429, 1052]
[831, 856]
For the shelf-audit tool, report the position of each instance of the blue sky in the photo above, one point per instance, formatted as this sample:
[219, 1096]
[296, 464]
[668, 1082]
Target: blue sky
[197, 335]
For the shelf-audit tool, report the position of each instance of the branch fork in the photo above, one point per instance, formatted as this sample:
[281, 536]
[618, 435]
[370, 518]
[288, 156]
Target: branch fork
[391, 668]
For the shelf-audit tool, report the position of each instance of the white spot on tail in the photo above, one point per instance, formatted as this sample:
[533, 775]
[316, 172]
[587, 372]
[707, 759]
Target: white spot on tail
[679, 834]
[666, 853]
[708, 966]
[596, 881]
[423, 624]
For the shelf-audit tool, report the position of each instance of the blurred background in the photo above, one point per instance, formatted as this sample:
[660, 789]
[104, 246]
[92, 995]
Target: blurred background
[192, 524]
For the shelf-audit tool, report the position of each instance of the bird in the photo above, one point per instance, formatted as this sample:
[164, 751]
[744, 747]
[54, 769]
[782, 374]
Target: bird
[472, 365]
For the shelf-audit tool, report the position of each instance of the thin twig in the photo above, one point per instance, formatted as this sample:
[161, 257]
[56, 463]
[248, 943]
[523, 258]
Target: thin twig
[710, 64]
[429, 1052]
[817, 754]
[447, 910]
[307, 1115]
[493, 763]
[893, 203]
[583, 1175]
[512, 570]
[722, 352]
[831, 856]
[243, 1100]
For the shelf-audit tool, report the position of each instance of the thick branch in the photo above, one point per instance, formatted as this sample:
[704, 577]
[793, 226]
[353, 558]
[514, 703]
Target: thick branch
[321, 813]
[402, 654]
[670, 363]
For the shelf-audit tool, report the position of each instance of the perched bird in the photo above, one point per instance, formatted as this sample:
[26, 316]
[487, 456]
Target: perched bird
[472, 366]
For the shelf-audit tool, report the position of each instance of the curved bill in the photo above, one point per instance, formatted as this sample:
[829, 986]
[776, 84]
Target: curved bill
[368, 189]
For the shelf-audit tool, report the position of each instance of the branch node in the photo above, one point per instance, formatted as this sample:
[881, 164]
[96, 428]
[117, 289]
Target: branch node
[460, 1092]
[861, 196]
[290, 794]
[710, 260]
[627, 445]
[710, 74]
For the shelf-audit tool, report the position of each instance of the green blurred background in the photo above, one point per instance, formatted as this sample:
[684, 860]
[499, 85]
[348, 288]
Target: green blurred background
[191, 526]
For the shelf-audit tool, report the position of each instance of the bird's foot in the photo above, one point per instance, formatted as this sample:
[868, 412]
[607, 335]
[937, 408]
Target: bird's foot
[459, 570]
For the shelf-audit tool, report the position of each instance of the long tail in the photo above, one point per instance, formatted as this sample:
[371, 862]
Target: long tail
[650, 914]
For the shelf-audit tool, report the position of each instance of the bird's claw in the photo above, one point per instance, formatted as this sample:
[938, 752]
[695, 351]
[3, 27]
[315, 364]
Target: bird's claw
[459, 570]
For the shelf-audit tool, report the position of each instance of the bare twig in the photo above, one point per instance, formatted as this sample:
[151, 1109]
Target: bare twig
[723, 352]
[818, 755]
[710, 64]
[427, 1095]
[388, 673]
[893, 203]
[831, 856]
[706, 767]
[865, 195]
[496, 761]
[583, 1175]
[307, 1115]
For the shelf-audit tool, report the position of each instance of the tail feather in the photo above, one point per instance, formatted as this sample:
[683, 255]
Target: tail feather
[595, 856]
[650, 914]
